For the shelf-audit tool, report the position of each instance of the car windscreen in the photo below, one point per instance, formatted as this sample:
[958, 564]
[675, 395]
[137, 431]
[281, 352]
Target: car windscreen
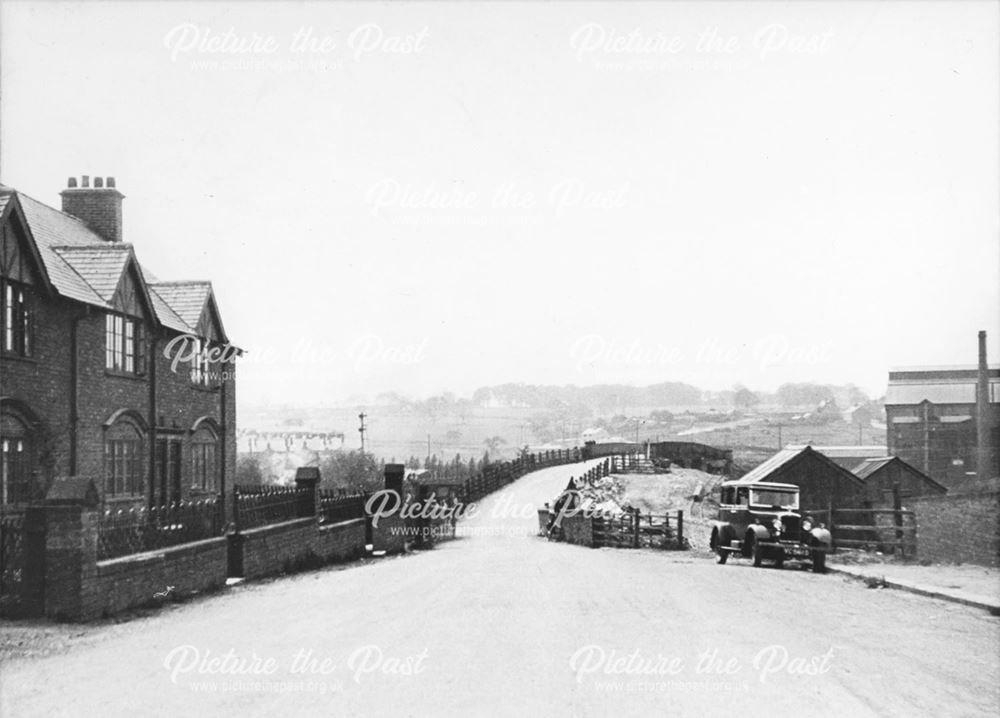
[775, 497]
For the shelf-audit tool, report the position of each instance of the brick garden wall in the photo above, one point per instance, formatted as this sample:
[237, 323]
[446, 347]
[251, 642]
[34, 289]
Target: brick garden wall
[388, 535]
[290, 545]
[135, 580]
[958, 528]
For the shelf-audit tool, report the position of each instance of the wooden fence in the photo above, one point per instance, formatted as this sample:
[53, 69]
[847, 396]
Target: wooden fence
[886, 530]
[632, 529]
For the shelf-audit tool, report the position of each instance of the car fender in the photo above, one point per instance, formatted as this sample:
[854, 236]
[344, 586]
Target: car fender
[821, 536]
[724, 530]
[760, 532]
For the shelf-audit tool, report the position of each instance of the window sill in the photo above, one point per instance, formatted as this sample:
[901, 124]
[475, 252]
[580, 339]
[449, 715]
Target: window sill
[124, 375]
[13, 356]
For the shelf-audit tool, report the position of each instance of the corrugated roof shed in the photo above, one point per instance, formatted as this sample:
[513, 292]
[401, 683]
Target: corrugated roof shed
[771, 465]
[868, 468]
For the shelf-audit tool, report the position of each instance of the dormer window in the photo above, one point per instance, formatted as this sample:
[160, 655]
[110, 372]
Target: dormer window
[15, 316]
[124, 345]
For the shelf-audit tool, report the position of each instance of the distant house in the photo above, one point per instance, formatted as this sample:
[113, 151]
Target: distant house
[881, 476]
[848, 456]
[823, 482]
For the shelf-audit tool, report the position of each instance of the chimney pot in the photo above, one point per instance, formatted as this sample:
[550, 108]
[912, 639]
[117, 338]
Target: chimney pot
[100, 206]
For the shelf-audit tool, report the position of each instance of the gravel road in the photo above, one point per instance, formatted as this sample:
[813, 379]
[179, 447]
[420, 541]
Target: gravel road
[503, 623]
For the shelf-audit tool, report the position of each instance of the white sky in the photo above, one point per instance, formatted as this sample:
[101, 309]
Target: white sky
[819, 203]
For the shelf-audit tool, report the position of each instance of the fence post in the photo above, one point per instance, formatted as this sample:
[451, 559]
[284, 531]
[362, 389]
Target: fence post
[897, 518]
[833, 536]
[636, 518]
[680, 528]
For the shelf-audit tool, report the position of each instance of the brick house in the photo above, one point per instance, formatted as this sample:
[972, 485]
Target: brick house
[105, 372]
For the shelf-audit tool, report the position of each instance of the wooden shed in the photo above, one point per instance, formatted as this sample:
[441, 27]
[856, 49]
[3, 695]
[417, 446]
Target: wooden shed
[882, 475]
[823, 483]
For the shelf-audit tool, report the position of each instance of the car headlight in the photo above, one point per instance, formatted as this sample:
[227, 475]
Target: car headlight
[776, 524]
[807, 524]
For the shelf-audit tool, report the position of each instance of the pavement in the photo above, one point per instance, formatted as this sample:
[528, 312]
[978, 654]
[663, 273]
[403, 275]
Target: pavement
[975, 586]
[503, 623]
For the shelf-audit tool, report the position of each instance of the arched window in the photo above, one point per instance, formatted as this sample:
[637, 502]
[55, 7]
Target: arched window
[16, 463]
[204, 459]
[124, 468]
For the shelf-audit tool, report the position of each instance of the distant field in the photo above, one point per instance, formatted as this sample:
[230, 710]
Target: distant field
[396, 434]
[399, 434]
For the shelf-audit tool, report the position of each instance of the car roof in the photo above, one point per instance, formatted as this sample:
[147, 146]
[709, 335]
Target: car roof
[762, 485]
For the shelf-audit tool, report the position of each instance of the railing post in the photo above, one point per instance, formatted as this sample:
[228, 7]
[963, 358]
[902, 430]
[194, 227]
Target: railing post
[307, 482]
[680, 528]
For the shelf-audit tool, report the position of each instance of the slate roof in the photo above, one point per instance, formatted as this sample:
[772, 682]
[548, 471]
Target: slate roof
[167, 316]
[186, 299]
[84, 267]
[100, 266]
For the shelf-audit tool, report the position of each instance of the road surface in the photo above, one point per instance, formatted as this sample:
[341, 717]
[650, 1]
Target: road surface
[512, 625]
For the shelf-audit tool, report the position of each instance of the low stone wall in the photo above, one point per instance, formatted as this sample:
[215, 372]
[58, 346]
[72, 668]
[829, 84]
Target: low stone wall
[958, 528]
[143, 578]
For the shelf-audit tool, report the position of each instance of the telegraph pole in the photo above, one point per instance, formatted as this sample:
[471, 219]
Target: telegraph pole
[362, 430]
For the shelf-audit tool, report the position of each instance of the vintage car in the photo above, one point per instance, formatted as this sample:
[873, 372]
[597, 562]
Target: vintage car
[761, 521]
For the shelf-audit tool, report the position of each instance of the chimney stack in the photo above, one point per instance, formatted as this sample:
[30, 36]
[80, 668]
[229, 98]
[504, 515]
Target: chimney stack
[100, 206]
[983, 454]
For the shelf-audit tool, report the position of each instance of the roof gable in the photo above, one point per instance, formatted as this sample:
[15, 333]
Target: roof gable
[870, 467]
[100, 266]
[81, 265]
[19, 259]
[787, 459]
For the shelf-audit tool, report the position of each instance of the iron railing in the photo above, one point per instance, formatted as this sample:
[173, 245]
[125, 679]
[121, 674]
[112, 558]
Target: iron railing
[11, 556]
[262, 505]
[336, 506]
[125, 531]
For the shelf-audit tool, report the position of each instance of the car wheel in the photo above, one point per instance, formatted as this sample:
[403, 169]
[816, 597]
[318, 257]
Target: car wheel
[819, 561]
[757, 551]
